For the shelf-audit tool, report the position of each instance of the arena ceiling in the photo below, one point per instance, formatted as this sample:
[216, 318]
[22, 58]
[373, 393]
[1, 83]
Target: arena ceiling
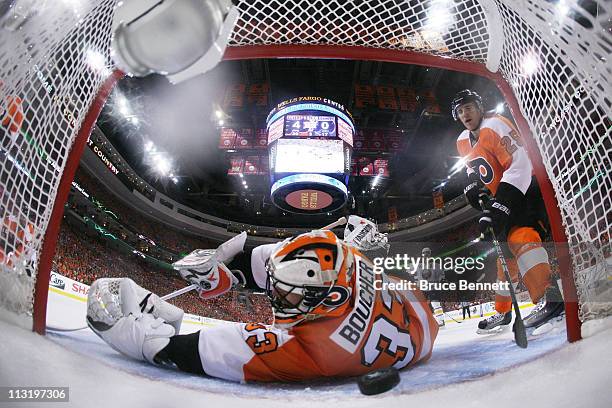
[182, 122]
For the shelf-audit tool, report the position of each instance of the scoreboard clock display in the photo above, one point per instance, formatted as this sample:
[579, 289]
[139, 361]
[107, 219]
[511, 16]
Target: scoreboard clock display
[310, 126]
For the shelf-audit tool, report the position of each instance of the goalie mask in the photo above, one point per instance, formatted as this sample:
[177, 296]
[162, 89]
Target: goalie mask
[309, 277]
[363, 234]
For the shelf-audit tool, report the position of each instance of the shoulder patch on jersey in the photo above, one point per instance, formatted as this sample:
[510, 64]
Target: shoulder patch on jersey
[352, 330]
[464, 135]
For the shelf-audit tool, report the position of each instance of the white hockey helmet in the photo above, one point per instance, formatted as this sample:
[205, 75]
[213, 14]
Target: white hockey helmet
[426, 251]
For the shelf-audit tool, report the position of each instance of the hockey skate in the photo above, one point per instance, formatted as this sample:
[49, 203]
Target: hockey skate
[494, 324]
[547, 313]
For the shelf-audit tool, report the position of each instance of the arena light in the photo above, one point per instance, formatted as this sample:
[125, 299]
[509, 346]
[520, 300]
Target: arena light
[562, 8]
[376, 180]
[123, 105]
[177, 38]
[162, 164]
[439, 16]
[530, 64]
[457, 167]
[97, 62]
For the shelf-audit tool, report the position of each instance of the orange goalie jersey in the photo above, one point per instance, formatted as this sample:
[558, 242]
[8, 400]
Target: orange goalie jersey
[382, 328]
[498, 155]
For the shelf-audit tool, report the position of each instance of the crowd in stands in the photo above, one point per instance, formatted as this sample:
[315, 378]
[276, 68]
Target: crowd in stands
[162, 234]
[84, 258]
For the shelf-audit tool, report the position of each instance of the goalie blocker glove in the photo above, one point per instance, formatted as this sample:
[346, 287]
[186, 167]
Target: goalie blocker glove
[212, 281]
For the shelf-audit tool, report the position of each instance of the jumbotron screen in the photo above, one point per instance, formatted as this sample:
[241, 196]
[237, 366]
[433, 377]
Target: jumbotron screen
[309, 156]
[310, 143]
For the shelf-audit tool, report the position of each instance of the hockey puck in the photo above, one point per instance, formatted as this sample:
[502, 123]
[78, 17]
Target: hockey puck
[378, 381]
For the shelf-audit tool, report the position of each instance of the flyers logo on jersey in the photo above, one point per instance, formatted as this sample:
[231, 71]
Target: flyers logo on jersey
[482, 167]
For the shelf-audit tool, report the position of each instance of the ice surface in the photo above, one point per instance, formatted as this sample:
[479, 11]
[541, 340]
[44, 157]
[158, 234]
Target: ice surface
[466, 369]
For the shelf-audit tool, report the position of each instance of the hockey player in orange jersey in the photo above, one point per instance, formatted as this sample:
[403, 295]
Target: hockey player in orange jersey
[330, 321]
[501, 184]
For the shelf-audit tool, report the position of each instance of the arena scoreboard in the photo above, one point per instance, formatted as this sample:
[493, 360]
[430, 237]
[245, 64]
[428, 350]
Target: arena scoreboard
[310, 142]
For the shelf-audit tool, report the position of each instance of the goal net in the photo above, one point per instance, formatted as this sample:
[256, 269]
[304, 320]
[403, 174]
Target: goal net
[550, 59]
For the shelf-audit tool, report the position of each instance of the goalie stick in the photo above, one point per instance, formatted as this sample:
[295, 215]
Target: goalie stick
[340, 221]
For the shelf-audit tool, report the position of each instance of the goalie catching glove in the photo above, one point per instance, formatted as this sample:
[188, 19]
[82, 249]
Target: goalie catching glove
[364, 235]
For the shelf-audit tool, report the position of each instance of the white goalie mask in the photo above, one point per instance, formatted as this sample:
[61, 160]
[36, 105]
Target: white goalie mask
[309, 277]
[363, 234]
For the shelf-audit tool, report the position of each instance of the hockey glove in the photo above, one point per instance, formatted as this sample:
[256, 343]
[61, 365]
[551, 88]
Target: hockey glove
[494, 218]
[212, 282]
[476, 191]
[497, 210]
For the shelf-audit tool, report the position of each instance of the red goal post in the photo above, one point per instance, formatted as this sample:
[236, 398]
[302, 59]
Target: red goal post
[551, 65]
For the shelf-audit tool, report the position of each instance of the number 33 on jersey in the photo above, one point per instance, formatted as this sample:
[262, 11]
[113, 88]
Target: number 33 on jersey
[383, 328]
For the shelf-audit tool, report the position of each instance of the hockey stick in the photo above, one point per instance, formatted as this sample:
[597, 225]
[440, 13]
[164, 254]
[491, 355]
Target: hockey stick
[337, 223]
[520, 335]
[179, 292]
[447, 315]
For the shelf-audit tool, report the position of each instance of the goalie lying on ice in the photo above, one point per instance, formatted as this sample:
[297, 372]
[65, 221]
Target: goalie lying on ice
[329, 321]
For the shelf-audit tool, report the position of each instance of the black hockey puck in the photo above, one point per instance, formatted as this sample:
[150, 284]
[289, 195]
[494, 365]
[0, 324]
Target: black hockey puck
[378, 381]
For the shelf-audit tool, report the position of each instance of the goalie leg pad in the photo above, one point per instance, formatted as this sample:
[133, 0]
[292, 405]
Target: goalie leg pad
[115, 313]
[149, 302]
[138, 337]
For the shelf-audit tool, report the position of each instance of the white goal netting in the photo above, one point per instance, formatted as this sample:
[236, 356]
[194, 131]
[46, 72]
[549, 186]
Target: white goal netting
[555, 56]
